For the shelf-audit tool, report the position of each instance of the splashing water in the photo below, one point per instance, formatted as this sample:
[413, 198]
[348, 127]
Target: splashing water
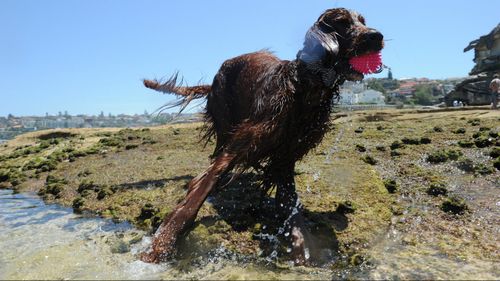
[40, 241]
[339, 136]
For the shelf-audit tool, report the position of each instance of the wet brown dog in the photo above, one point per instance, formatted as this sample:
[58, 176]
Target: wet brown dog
[267, 113]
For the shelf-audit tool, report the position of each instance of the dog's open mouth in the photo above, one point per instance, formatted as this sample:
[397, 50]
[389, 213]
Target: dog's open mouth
[365, 64]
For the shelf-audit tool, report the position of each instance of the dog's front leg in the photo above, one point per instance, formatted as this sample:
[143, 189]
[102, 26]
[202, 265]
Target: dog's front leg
[185, 212]
[289, 209]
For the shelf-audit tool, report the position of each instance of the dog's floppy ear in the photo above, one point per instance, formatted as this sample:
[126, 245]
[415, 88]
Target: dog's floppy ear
[317, 44]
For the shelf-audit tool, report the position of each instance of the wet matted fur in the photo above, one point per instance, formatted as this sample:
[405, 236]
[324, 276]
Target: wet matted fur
[267, 113]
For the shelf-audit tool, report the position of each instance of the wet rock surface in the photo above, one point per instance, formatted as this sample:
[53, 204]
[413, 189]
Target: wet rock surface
[368, 210]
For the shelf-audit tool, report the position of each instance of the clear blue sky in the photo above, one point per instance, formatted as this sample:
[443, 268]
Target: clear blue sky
[90, 55]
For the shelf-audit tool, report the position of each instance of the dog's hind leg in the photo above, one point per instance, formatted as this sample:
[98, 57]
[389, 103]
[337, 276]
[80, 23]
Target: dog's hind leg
[289, 209]
[185, 212]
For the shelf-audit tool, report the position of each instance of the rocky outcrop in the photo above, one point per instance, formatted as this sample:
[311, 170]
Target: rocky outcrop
[475, 89]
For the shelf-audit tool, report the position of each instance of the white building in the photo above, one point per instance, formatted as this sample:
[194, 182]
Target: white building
[357, 93]
[371, 96]
[348, 97]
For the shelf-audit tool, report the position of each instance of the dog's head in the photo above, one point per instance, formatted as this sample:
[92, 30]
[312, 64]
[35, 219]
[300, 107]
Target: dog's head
[340, 40]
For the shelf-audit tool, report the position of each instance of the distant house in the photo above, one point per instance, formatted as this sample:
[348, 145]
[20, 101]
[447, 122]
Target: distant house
[371, 96]
[364, 96]
[348, 97]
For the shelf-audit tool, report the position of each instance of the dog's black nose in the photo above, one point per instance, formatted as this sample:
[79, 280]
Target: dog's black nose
[374, 36]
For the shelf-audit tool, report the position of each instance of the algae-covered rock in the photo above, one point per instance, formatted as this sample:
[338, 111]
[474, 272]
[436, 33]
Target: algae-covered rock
[466, 165]
[356, 259]
[359, 130]
[411, 141]
[474, 122]
[360, 148]
[438, 129]
[4, 175]
[437, 189]
[206, 236]
[395, 153]
[453, 154]
[443, 155]
[496, 163]
[16, 177]
[495, 152]
[460, 131]
[397, 144]
[483, 142]
[465, 143]
[346, 208]
[483, 169]
[112, 141]
[454, 205]
[369, 160]
[118, 246]
[86, 185]
[147, 212]
[54, 189]
[78, 204]
[391, 185]
[104, 191]
[131, 146]
[425, 140]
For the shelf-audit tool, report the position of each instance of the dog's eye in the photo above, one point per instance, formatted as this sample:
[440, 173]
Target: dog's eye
[362, 20]
[342, 22]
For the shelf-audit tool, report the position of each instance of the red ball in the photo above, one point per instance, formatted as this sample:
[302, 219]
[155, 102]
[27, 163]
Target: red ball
[366, 64]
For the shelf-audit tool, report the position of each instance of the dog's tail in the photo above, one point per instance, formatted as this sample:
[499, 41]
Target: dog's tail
[186, 93]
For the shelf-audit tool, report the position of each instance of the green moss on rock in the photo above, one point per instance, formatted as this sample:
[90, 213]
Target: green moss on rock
[496, 163]
[396, 145]
[104, 191]
[346, 207]
[495, 152]
[86, 185]
[483, 169]
[465, 143]
[369, 160]
[425, 140]
[454, 205]
[78, 204]
[466, 165]
[482, 142]
[360, 148]
[437, 189]
[391, 185]
[411, 141]
[443, 155]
